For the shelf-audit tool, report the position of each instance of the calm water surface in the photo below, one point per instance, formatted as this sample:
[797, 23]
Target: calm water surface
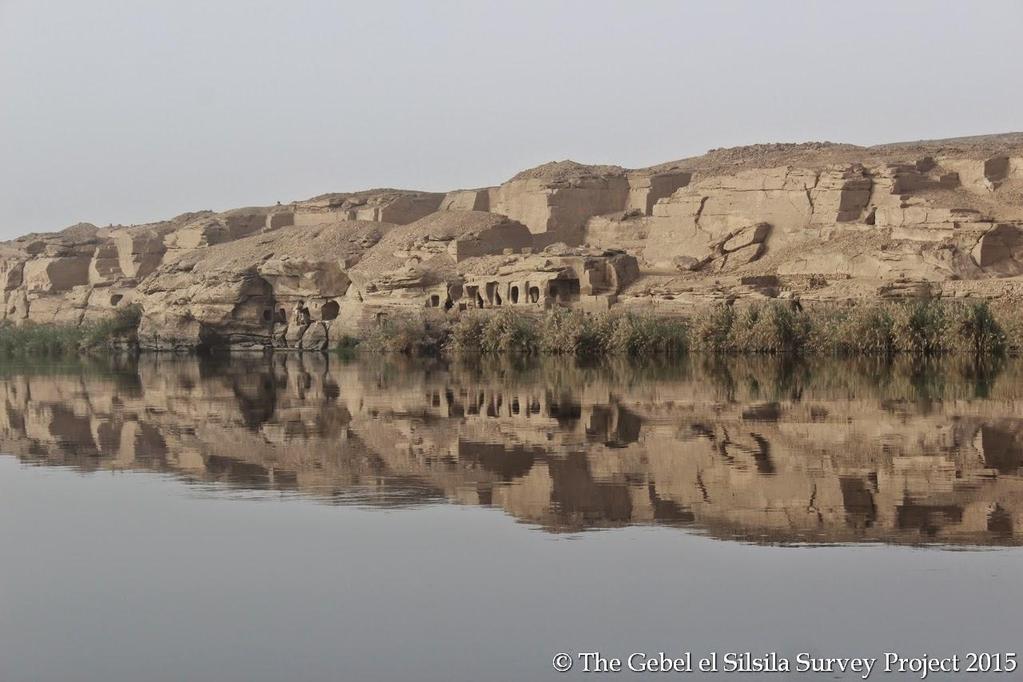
[304, 518]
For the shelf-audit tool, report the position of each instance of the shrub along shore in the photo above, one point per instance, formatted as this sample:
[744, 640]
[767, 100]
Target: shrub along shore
[925, 327]
[60, 340]
[931, 327]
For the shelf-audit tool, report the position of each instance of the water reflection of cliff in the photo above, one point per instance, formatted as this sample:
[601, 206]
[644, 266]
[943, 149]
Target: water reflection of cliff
[764, 450]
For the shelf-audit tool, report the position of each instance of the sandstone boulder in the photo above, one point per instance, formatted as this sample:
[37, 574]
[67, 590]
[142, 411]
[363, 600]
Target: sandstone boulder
[295, 332]
[315, 337]
[757, 234]
[906, 289]
[743, 255]
[997, 245]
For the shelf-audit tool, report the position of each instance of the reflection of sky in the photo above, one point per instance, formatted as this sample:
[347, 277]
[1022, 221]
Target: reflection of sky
[135, 577]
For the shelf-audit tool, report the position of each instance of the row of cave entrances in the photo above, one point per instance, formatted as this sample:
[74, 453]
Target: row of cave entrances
[561, 291]
[328, 311]
[489, 295]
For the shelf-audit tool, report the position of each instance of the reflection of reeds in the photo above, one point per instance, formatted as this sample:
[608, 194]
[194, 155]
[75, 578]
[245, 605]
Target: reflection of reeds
[731, 379]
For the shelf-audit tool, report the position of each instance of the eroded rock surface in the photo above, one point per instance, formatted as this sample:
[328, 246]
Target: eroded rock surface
[942, 216]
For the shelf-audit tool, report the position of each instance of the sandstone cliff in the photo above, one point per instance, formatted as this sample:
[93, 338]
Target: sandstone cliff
[820, 221]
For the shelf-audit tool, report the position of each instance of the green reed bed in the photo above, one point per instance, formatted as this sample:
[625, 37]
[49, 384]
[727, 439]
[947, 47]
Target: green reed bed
[926, 328]
[932, 327]
[558, 332]
[63, 340]
[923, 328]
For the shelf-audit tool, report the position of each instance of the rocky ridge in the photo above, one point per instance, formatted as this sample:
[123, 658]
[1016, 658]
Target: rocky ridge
[818, 221]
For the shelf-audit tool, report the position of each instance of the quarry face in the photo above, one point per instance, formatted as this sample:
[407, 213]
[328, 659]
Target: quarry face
[820, 222]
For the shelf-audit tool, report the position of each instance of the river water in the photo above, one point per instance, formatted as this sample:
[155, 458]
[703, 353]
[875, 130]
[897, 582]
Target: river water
[313, 518]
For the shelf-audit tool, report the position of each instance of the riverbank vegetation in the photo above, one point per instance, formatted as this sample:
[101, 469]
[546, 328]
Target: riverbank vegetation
[62, 340]
[932, 327]
[926, 327]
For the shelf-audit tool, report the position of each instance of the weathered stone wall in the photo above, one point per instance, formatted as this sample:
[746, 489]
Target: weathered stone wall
[388, 206]
[511, 236]
[559, 211]
[466, 200]
[817, 221]
[646, 189]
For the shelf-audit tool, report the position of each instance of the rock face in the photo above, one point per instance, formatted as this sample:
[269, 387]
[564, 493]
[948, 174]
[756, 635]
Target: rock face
[246, 293]
[943, 216]
[386, 205]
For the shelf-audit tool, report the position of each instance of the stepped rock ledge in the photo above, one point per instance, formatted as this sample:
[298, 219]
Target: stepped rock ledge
[818, 221]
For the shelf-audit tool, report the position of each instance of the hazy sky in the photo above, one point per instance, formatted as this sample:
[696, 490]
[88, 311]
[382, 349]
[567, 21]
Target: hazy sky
[133, 111]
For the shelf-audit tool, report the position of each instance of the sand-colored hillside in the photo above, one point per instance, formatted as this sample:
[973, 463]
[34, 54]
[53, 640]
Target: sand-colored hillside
[816, 220]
